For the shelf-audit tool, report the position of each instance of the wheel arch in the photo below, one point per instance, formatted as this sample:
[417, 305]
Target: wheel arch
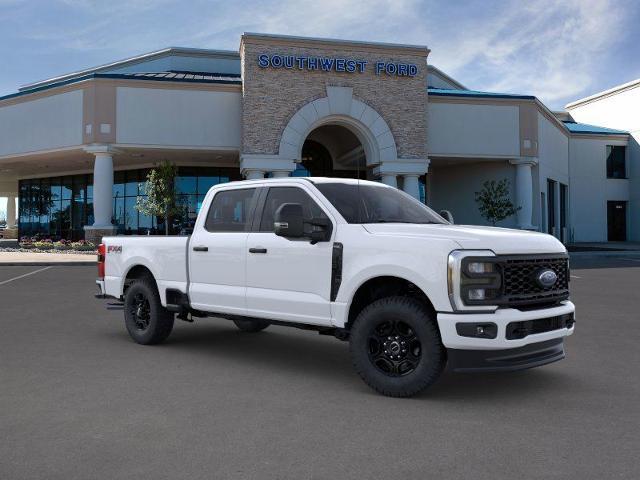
[137, 271]
[381, 286]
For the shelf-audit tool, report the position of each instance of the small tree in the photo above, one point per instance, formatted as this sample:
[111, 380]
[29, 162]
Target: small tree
[494, 202]
[160, 191]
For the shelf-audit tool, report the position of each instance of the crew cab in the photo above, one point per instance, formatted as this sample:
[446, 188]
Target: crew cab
[360, 260]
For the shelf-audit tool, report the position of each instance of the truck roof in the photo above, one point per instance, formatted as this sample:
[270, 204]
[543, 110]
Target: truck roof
[346, 181]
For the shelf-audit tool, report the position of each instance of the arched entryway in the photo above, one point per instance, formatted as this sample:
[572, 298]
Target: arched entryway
[338, 136]
[333, 151]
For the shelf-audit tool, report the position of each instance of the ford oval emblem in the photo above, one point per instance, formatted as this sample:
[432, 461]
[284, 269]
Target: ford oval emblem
[546, 278]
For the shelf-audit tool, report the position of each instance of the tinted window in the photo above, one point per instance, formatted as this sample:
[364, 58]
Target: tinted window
[367, 203]
[616, 167]
[230, 211]
[279, 195]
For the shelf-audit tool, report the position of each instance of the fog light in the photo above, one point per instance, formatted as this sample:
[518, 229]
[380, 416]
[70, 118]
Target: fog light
[477, 294]
[477, 330]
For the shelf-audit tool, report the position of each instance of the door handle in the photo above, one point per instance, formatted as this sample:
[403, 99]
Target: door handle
[200, 248]
[258, 250]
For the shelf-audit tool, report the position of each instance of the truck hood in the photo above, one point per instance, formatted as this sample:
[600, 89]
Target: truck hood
[471, 237]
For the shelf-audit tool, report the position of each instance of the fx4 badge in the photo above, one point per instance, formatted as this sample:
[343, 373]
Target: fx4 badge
[114, 249]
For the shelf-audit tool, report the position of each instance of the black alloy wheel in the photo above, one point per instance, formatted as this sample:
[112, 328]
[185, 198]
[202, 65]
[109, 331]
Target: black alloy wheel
[394, 348]
[140, 310]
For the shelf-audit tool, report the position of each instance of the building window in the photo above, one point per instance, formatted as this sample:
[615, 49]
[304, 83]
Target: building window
[60, 207]
[616, 161]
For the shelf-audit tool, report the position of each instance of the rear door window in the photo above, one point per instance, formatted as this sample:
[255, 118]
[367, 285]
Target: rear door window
[231, 211]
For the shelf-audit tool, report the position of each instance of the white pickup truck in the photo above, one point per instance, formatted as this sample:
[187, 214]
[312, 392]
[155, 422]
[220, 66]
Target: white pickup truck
[361, 261]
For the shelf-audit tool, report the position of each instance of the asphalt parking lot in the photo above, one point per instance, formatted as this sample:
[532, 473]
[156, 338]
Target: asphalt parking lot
[80, 400]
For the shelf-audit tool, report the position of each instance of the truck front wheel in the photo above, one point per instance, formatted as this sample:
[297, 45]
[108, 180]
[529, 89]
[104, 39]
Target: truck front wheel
[396, 347]
[147, 321]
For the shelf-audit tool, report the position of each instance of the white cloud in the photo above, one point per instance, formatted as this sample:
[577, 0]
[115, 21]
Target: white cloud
[545, 48]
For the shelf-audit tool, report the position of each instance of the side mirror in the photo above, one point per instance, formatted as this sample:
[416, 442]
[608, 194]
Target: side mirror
[446, 214]
[288, 221]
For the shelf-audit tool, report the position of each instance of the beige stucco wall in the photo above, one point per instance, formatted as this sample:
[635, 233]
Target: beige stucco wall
[271, 96]
[453, 187]
[467, 129]
[178, 117]
[54, 121]
[620, 111]
[590, 189]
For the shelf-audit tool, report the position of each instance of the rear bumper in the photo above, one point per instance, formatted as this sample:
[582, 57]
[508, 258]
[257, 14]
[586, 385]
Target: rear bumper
[101, 290]
[529, 356]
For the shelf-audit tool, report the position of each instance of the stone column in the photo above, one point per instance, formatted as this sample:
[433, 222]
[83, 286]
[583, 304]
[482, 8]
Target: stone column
[102, 193]
[11, 211]
[411, 185]
[253, 165]
[390, 179]
[409, 169]
[524, 191]
[253, 174]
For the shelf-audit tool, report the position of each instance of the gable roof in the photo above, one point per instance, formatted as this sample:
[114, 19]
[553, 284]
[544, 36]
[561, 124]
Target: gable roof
[605, 93]
[475, 93]
[585, 128]
[436, 71]
[145, 57]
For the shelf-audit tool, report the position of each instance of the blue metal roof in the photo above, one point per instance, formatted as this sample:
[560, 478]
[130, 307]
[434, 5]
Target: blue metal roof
[444, 92]
[187, 77]
[585, 128]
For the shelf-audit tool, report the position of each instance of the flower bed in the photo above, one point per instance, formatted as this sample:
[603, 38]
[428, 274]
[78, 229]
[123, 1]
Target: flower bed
[43, 245]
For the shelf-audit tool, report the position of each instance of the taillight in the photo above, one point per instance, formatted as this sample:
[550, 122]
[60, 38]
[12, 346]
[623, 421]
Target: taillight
[101, 259]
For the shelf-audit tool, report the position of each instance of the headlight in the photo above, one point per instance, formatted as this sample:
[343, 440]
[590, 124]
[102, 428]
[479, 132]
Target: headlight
[474, 280]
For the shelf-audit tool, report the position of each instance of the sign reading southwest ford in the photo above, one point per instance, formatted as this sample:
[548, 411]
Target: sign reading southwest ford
[331, 64]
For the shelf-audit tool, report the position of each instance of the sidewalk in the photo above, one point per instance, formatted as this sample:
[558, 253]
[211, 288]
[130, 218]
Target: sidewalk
[34, 259]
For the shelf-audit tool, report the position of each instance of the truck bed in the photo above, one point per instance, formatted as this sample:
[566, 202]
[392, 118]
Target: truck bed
[164, 257]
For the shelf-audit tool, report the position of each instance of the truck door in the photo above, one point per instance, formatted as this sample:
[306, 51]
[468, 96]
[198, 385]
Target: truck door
[288, 279]
[218, 253]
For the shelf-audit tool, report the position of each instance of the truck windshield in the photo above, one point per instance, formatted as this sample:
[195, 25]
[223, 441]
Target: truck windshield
[367, 203]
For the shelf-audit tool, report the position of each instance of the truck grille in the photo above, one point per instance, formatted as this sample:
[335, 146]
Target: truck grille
[519, 285]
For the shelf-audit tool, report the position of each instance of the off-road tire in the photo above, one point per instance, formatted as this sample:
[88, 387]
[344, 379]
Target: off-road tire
[147, 321]
[413, 336]
[251, 325]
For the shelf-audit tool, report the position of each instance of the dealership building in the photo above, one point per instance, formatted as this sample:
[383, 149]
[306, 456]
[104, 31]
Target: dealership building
[75, 150]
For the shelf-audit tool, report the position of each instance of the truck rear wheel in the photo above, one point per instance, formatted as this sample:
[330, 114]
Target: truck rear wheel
[396, 347]
[147, 321]
[251, 325]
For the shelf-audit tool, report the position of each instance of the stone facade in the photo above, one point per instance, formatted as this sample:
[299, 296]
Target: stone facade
[94, 235]
[271, 96]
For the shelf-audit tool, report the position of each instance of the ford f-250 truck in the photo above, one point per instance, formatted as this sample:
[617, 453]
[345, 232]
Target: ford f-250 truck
[361, 261]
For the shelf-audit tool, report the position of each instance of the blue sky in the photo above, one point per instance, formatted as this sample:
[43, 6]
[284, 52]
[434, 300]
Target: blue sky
[556, 50]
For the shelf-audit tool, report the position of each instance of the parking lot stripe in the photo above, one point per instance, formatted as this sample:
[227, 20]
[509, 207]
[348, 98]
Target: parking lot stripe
[25, 275]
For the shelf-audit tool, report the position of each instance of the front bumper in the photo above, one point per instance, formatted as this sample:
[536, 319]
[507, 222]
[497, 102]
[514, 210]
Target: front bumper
[511, 359]
[501, 318]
